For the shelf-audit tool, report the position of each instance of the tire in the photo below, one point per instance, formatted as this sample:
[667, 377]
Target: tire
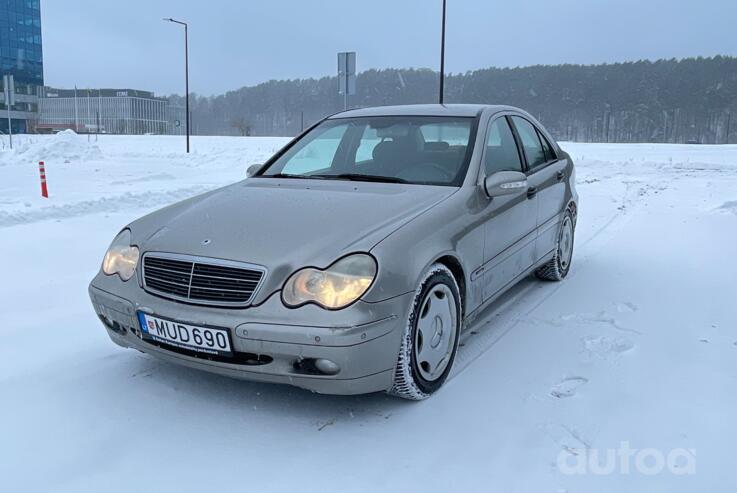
[556, 269]
[431, 335]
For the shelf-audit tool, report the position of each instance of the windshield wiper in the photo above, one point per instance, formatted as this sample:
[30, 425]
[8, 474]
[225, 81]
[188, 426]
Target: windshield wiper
[290, 175]
[282, 175]
[360, 177]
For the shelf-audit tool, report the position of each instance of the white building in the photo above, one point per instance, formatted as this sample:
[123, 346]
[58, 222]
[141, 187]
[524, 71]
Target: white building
[113, 111]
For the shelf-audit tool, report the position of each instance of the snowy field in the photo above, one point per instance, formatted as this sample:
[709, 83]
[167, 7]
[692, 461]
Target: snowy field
[633, 357]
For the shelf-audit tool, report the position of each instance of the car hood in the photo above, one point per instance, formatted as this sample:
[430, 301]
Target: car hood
[285, 224]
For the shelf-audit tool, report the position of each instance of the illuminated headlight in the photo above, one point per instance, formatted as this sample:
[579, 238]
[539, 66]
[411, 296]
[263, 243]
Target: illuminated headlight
[121, 258]
[333, 288]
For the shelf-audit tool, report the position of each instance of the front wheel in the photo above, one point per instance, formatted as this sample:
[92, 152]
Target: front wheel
[431, 336]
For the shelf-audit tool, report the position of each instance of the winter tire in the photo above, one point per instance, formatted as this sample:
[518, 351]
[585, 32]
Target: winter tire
[430, 339]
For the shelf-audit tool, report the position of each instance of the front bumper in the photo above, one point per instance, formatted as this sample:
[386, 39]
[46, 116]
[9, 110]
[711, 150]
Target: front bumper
[363, 339]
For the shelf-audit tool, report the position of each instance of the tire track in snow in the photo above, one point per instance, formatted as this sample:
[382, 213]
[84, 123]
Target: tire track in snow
[124, 202]
[514, 308]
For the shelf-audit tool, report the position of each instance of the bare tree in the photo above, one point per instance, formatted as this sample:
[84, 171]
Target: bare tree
[241, 124]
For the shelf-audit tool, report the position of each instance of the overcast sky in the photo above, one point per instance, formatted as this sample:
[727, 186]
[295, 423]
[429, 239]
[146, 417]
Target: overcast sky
[95, 43]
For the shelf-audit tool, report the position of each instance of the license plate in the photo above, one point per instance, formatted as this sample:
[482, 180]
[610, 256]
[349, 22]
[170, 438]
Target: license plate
[206, 340]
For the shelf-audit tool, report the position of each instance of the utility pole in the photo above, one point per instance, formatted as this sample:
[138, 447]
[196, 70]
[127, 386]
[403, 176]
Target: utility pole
[346, 75]
[186, 74]
[9, 90]
[442, 59]
[76, 112]
[729, 122]
[97, 134]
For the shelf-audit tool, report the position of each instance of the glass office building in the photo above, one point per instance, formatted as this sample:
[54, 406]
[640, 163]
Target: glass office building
[21, 56]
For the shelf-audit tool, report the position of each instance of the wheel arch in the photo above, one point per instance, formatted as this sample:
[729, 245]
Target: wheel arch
[456, 268]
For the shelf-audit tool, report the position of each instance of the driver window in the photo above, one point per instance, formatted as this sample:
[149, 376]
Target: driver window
[501, 149]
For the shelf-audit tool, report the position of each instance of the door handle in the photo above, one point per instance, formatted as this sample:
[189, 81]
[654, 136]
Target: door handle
[531, 192]
[560, 175]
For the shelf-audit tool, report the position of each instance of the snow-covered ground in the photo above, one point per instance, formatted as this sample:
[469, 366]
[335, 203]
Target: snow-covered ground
[633, 357]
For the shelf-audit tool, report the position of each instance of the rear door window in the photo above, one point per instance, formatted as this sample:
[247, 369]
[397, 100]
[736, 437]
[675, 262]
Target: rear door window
[530, 142]
[547, 148]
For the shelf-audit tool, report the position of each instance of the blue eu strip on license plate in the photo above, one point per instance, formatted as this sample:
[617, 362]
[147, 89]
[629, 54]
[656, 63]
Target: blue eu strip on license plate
[206, 340]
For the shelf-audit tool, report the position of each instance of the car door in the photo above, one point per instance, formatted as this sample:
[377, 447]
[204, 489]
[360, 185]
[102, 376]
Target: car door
[509, 228]
[546, 178]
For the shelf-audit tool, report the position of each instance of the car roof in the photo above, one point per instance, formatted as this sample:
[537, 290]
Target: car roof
[456, 110]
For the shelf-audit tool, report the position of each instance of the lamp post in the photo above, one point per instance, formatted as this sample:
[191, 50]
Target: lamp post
[442, 58]
[186, 74]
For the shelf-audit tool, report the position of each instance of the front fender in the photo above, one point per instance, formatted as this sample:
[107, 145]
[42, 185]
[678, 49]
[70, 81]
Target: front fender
[450, 229]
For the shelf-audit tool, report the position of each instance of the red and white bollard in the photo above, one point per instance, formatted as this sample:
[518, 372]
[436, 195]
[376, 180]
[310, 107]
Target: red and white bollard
[42, 172]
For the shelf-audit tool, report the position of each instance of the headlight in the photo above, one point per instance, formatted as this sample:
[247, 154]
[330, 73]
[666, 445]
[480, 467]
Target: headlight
[121, 258]
[333, 288]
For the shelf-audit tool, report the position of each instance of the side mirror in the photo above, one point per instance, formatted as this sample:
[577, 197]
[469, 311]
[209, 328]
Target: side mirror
[252, 170]
[505, 183]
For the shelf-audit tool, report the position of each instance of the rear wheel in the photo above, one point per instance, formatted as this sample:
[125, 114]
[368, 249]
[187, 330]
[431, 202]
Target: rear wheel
[557, 268]
[431, 336]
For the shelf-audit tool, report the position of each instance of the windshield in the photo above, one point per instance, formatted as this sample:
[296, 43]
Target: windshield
[400, 149]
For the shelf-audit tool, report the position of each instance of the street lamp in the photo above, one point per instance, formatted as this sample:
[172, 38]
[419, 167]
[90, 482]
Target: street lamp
[442, 58]
[186, 73]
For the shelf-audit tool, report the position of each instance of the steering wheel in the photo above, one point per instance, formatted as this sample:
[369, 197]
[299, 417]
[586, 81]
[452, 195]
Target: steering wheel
[410, 173]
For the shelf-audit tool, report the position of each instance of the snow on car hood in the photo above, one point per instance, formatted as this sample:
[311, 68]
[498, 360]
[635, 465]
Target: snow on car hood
[285, 224]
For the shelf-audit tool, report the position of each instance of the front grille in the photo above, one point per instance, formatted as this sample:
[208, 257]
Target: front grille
[201, 280]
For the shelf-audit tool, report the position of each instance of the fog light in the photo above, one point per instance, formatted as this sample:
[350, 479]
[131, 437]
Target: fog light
[327, 367]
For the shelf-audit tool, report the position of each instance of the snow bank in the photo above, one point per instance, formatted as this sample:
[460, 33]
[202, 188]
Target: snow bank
[64, 147]
[118, 172]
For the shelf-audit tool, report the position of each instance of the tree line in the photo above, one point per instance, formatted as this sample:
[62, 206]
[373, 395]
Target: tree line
[692, 100]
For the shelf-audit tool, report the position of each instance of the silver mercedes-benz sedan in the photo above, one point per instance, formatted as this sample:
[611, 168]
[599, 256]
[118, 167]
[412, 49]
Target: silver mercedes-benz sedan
[351, 261]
